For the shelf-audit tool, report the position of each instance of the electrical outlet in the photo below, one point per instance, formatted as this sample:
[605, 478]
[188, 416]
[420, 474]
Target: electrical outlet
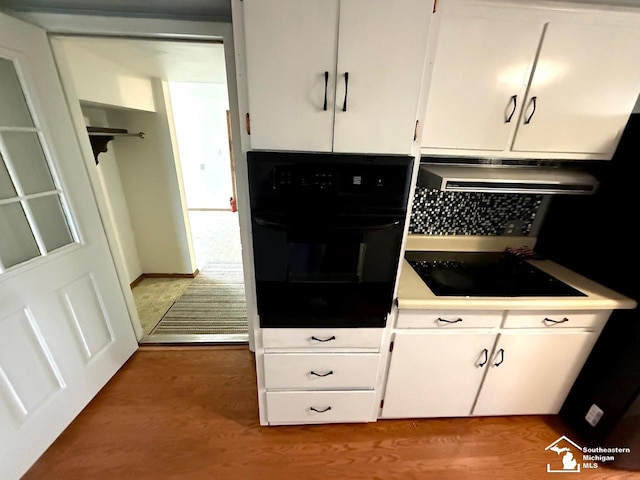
[594, 415]
[514, 227]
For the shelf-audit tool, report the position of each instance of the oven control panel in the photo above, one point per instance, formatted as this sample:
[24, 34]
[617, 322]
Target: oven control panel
[304, 181]
[323, 180]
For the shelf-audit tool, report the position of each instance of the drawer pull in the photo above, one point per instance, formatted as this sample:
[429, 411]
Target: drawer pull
[320, 411]
[514, 100]
[485, 354]
[501, 353]
[444, 320]
[552, 321]
[332, 337]
[330, 372]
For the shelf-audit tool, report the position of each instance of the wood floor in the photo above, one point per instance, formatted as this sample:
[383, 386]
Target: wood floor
[191, 413]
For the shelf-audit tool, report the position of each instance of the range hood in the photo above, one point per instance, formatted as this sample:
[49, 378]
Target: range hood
[507, 179]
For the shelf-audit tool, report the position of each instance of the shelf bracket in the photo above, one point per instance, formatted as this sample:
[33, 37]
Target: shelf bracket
[101, 136]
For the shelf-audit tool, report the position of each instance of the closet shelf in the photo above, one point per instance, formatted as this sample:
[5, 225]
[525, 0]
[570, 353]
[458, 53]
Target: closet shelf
[100, 136]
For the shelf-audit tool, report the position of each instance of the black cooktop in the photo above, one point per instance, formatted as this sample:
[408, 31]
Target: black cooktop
[485, 274]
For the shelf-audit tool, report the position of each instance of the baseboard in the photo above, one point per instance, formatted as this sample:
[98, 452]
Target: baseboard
[137, 280]
[164, 275]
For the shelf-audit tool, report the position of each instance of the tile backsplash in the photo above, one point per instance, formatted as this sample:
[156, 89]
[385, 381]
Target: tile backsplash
[472, 213]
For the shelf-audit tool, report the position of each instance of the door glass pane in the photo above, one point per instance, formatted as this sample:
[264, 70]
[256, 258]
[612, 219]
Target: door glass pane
[51, 222]
[6, 187]
[28, 160]
[17, 244]
[13, 107]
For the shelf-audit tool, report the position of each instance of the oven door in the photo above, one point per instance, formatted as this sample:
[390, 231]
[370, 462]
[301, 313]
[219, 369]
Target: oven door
[336, 271]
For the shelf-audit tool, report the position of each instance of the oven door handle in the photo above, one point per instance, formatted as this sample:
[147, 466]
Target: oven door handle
[277, 224]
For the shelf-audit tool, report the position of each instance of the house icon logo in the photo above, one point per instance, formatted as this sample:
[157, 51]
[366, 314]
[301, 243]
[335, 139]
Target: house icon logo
[567, 459]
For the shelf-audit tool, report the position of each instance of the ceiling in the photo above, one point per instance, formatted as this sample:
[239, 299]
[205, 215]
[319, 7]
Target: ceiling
[205, 10]
[175, 61]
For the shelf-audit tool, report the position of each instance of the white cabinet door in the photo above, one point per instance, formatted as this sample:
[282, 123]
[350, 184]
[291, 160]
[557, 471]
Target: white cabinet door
[532, 373]
[482, 64]
[585, 84]
[290, 44]
[382, 47]
[435, 375]
[64, 325]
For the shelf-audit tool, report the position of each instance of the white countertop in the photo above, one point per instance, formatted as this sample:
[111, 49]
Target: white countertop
[413, 293]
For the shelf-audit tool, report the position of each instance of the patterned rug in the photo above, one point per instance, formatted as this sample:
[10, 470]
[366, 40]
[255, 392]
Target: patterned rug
[214, 303]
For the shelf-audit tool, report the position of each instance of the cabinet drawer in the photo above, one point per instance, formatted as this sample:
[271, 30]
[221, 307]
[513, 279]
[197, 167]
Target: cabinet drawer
[321, 370]
[449, 319]
[557, 319]
[322, 338]
[320, 407]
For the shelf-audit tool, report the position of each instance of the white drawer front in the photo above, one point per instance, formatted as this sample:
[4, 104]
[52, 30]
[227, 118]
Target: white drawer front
[321, 370]
[322, 338]
[449, 319]
[320, 407]
[556, 319]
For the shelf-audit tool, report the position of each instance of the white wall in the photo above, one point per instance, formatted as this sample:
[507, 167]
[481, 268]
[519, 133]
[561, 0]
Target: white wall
[117, 208]
[152, 187]
[103, 82]
[199, 112]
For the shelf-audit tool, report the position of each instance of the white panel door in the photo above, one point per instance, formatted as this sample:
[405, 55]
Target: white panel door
[585, 84]
[435, 375]
[64, 325]
[382, 48]
[532, 373]
[481, 69]
[291, 60]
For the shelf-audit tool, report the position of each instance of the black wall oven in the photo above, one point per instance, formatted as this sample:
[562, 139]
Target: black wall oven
[327, 233]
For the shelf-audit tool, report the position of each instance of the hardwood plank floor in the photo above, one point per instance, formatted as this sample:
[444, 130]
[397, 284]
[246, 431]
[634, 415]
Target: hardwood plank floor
[192, 413]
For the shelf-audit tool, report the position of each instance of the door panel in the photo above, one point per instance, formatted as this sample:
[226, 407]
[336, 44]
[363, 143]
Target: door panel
[585, 83]
[535, 372]
[289, 46]
[382, 46]
[472, 87]
[64, 325]
[435, 375]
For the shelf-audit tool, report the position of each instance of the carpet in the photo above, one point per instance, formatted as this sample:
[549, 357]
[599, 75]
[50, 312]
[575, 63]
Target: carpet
[214, 303]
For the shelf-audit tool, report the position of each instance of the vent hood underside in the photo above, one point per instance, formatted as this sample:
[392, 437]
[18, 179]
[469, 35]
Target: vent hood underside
[499, 179]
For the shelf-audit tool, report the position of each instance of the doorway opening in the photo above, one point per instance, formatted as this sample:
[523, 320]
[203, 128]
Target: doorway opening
[169, 196]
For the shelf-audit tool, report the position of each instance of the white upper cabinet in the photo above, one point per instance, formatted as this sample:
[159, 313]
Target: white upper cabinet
[480, 73]
[585, 85]
[290, 44]
[364, 59]
[531, 82]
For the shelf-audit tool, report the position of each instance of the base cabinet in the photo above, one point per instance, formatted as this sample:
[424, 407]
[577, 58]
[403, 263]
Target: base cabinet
[318, 375]
[532, 373]
[436, 375]
[524, 365]
[319, 407]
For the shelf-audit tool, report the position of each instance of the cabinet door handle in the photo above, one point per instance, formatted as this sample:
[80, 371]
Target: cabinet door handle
[332, 337]
[533, 101]
[554, 322]
[514, 100]
[444, 320]
[346, 91]
[322, 410]
[485, 354]
[501, 353]
[326, 83]
[330, 372]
